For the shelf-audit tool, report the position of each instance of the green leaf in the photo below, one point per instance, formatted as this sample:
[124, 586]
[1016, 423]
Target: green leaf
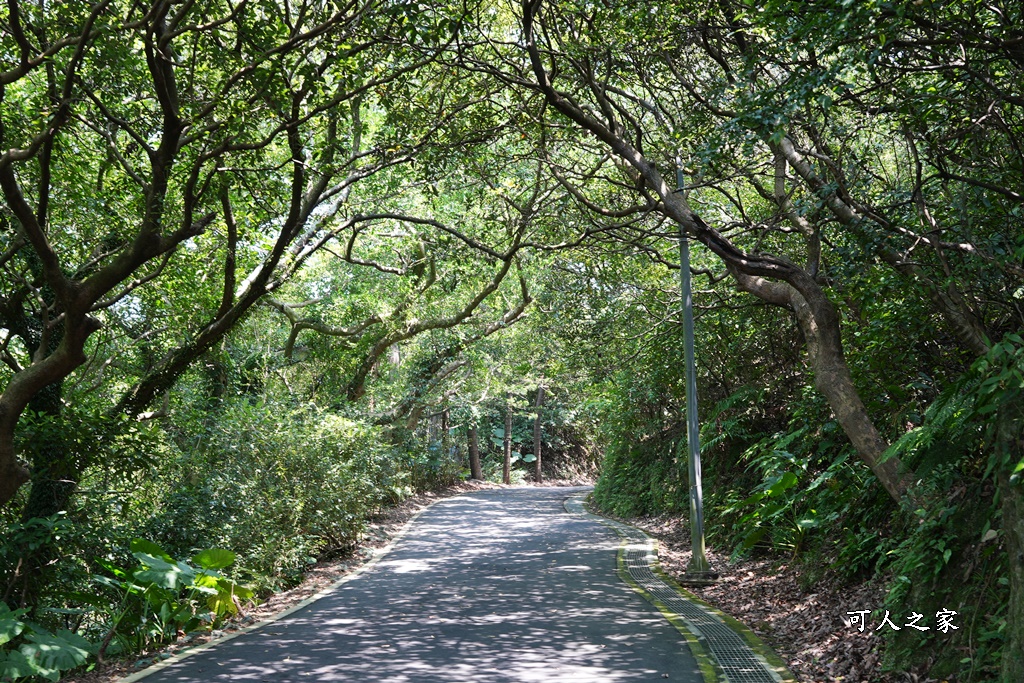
[787, 481]
[9, 624]
[60, 651]
[163, 574]
[165, 612]
[112, 568]
[808, 523]
[9, 628]
[141, 545]
[221, 603]
[214, 558]
[751, 539]
[107, 581]
[206, 580]
[241, 592]
[750, 501]
[15, 665]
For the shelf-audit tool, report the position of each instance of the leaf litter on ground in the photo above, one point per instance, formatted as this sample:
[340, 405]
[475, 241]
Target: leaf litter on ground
[804, 627]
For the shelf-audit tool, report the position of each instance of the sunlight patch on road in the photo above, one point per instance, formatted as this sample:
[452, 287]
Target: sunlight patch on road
[407, 566]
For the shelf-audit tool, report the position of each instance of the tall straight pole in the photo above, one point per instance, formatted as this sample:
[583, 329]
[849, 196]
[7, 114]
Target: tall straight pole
[698, 560]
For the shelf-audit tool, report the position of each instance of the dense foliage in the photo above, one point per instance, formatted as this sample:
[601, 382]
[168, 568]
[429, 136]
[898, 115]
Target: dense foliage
[267, 268]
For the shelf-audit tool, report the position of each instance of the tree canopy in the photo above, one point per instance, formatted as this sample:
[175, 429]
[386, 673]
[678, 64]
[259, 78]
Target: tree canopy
[296, 260]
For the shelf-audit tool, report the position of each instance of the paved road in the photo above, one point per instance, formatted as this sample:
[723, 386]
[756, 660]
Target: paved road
[489, 587]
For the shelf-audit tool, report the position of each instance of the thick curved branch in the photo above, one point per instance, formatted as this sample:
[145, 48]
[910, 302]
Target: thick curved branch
[448, 361]
[357, 384]
[949, 302]
[299, 324]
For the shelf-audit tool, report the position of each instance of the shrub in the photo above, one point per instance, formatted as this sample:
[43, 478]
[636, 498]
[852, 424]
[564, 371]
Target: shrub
[277, 486]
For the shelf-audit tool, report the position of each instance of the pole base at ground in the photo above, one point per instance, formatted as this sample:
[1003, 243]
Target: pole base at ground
[698, 578]
[698, 571]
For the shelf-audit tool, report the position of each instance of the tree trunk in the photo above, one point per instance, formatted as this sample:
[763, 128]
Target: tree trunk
[773, 279]
[536, 436]
[506, 467]
[12, 473]
[819, 323]
[1011, 445]
[475, 471]
[1013, 531]
[446, 442]
[24, 385]
[55, 475]
[413, 421]
[55, 471]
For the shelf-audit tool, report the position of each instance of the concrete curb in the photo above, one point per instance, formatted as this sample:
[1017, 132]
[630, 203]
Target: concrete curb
[708, 663]
[753, 640]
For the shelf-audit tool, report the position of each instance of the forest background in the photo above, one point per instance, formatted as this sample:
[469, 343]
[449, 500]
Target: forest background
[268, 267]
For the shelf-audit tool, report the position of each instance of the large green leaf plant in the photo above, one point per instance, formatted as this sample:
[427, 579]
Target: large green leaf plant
[157, 600]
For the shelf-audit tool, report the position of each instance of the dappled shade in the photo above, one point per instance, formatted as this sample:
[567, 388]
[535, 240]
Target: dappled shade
[492, 586]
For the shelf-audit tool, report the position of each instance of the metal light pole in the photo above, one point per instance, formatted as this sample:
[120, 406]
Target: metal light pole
[699, 570]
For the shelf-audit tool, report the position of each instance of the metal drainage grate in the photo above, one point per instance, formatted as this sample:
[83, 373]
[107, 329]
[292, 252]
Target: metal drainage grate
[737, 660]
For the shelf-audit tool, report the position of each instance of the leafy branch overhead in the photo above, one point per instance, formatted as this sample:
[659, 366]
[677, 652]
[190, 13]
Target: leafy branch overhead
[268, 268]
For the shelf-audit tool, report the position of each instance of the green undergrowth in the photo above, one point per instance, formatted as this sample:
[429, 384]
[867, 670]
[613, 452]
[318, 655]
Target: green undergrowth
[794, 489]
[275, 486]
[280, 486]
[128, 605]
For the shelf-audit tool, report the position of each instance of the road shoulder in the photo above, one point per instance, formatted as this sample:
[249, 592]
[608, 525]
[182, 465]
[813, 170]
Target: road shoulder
[724, 648]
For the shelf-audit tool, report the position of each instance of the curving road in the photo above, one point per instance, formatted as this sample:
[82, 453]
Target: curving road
[488, 587]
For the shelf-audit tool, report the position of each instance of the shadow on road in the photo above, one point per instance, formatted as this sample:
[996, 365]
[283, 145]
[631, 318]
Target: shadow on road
[493, 586]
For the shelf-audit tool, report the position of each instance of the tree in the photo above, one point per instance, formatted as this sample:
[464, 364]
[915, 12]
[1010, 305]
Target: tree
[506, 442]
[537, 427]
[584, 72]
[144, 151]
[476, 472]
[854, 125]
[458, 235]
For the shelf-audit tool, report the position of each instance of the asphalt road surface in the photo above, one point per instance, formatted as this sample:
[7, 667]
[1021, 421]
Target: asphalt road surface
[490, 587]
